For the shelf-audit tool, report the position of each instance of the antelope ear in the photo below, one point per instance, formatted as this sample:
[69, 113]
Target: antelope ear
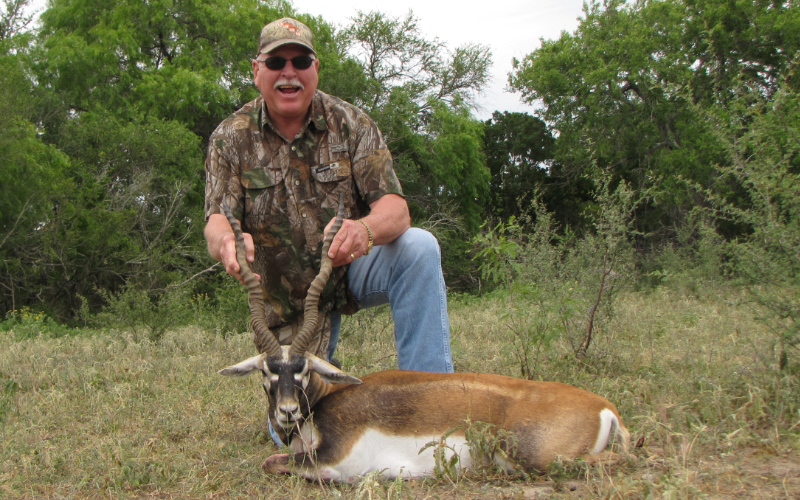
[245, 368]
[329, 372]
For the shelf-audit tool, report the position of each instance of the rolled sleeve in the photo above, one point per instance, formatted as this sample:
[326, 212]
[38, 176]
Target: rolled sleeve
[373, 168]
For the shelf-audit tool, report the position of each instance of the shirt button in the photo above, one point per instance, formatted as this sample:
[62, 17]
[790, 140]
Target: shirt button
[296, 183]
[294, 148]
[304, 215]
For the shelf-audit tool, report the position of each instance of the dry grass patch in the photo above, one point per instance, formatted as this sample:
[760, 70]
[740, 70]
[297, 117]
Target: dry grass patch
[113, 415]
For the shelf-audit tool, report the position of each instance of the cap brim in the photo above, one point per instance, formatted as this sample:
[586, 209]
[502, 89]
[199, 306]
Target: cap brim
[286, 41]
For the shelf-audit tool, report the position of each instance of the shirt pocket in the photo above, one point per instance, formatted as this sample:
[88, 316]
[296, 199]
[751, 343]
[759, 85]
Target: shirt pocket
[260, 185]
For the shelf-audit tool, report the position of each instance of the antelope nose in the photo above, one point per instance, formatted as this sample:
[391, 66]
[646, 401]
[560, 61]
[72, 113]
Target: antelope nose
[288, 407]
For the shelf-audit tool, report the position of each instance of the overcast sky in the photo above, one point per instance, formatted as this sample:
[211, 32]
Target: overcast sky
[511, 28]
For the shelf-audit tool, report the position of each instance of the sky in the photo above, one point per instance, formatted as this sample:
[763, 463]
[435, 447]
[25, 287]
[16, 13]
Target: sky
[515, 30]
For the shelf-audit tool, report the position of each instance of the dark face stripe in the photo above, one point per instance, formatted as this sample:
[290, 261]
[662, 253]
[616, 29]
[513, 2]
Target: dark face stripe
[291, 371]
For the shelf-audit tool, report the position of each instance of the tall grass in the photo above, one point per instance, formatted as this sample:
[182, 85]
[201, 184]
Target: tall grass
[117, 415]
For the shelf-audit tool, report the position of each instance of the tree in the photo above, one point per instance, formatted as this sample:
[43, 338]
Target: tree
[621, 90]
[129, 91]
[113, 107]
[394, 53]
[184, 60]
[455, 160]
[420, 94]
[31, 173]
[13, 20]
[136, 216]
[518, 153]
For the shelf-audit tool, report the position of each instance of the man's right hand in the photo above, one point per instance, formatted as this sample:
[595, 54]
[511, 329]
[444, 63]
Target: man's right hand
[222, 245]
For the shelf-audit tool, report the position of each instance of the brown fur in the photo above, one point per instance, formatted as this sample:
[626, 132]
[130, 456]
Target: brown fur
[549, 419]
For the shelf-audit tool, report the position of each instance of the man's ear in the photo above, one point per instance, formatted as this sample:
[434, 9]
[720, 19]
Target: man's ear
[329, 372]
[256, 69]
[246, 367]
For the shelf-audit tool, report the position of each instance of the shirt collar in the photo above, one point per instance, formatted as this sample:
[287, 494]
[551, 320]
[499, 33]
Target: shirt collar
[317, 115]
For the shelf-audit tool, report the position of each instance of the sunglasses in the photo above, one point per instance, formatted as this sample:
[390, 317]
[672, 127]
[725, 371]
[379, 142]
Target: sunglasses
[277, 62]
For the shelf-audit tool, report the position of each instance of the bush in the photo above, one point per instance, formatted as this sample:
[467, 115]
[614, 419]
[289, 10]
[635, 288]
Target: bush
[225, 312]
[570, 280]
[696, 256]
[145, 312]
[26, 324]
[763, 146]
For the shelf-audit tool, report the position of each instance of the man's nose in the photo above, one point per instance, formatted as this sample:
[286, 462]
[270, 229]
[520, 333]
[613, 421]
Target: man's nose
[289, 70]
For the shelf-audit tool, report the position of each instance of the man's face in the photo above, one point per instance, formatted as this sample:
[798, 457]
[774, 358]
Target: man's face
[288, 91]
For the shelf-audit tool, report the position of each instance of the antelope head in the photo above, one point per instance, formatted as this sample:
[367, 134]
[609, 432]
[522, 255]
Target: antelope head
[293, 379]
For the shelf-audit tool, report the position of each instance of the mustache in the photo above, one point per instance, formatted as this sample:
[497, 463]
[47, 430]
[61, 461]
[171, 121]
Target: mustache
[292, 83]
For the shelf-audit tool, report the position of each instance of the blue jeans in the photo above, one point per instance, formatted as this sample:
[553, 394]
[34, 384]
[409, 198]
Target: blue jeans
[407, 275]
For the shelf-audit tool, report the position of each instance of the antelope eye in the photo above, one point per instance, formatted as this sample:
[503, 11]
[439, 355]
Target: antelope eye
[303, 374]
[269, 375]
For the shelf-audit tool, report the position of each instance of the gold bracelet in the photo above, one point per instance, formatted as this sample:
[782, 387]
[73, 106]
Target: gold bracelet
[369, 232]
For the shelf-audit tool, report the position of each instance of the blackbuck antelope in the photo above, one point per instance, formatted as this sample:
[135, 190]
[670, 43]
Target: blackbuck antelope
[386, 421]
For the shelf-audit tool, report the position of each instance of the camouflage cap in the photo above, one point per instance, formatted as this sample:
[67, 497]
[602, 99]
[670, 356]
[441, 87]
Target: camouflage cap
[282, 32]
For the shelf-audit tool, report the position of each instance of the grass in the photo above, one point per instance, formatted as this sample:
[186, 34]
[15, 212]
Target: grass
[110, 414]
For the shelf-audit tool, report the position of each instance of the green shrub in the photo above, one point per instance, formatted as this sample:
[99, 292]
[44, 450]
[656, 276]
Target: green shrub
[225, 312]
[697, 256]
[763, 145]
[27, 323]
[148, 313]
[567, 281]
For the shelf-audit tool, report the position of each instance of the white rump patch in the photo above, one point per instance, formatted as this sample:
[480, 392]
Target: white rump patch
[608, 425]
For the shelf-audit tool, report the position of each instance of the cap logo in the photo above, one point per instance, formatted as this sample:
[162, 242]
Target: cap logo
[291, 27]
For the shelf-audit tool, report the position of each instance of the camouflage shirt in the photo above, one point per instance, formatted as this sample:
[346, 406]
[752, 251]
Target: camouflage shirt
[287, 191]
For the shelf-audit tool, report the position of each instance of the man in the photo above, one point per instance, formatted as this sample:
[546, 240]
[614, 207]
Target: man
[281, 162]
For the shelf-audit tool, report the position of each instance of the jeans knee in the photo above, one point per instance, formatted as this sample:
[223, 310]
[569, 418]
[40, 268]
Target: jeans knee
[419, 243]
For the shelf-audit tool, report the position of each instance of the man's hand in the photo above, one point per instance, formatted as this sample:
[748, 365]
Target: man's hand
[350, 242]
[222, 245]
[388, 219]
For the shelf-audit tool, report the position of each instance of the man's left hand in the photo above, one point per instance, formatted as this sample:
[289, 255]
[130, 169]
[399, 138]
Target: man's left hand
[350, 242]
[388, 219]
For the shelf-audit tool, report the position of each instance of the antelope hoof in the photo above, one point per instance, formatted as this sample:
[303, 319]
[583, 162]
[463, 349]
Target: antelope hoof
[277, 464]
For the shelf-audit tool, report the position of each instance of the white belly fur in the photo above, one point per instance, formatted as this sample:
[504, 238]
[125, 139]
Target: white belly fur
[394, 456]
